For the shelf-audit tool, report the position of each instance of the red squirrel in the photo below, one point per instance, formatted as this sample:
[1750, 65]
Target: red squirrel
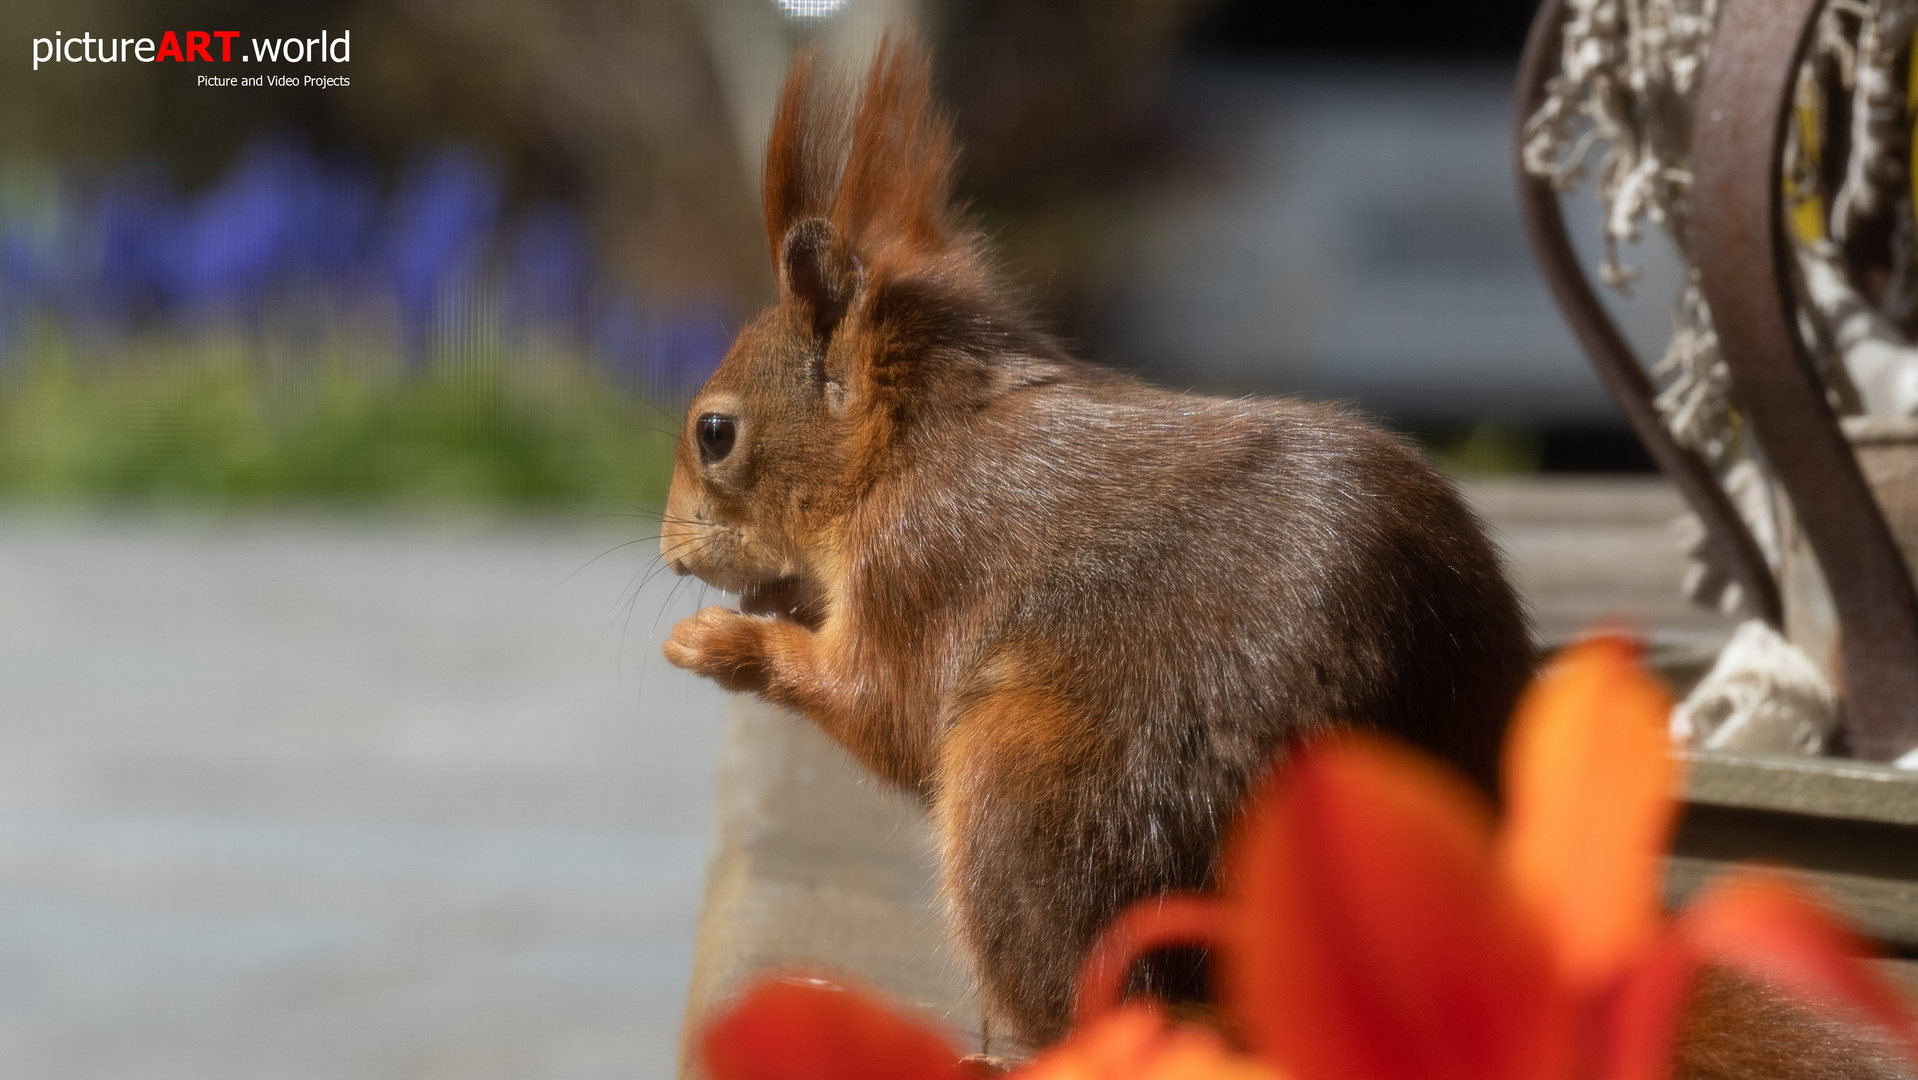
[1075, 614]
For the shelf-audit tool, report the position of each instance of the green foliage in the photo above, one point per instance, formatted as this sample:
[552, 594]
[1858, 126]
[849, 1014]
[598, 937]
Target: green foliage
[167, 421]
[1488, 447]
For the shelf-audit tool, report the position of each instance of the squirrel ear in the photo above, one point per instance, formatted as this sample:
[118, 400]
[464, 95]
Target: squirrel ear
[816, 270]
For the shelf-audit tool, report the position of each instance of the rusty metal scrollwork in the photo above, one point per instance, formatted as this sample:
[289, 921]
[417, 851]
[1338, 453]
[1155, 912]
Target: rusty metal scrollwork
[1726, 535]
[1742, 262]
[1742, 257]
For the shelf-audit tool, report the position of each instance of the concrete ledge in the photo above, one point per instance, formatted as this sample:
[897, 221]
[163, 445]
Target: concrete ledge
[819, 868]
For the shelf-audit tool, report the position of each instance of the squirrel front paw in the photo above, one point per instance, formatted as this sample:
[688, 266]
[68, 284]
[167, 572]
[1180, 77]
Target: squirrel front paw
[731, 648]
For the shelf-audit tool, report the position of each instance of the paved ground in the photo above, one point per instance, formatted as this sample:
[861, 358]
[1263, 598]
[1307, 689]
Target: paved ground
[297, 798]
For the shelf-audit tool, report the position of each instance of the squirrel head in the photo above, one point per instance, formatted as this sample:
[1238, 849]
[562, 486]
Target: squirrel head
[887, 320]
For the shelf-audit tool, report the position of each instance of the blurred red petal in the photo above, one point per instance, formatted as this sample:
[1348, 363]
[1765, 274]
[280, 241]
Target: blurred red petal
[1149, 924]
[1763, 924]
[808, 1030]
[1589, 781]
[1639, 1024]
[1371, 935]
[1134, 1043]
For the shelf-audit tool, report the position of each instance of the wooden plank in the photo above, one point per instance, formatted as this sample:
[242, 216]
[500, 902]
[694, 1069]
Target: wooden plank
[1884, 909]
[1823, 787]
[1588, 551]
[819, 868]
[1849, 828]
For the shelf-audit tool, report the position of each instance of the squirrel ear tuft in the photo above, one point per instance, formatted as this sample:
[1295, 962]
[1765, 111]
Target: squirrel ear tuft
[817, 271]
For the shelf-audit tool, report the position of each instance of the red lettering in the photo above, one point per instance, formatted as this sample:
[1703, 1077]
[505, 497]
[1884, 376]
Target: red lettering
[196, 43]
[169, 46]
[226, 44]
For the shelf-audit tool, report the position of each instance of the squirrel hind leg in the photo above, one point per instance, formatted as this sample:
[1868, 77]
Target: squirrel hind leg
[1043, 842]
[1001, 834]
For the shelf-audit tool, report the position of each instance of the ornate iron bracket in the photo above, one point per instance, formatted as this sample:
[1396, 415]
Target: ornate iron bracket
[1727, 539]
[1743, 263]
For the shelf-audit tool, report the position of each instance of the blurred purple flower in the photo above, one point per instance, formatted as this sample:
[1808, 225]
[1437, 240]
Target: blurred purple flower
[548, 270]
[283, 222]
[137, 235]
[447, 204]
[669, 353]
[238, 236]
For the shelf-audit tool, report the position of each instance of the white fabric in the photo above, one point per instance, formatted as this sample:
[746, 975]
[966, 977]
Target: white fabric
[1762, 696]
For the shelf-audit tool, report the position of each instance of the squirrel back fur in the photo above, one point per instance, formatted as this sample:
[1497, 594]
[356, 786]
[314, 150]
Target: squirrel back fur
[1076, 614]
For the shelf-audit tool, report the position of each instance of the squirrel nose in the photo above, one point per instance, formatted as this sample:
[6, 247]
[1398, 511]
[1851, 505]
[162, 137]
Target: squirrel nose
[715, 434]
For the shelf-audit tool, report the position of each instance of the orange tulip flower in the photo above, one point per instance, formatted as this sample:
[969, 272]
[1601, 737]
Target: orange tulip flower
[1136, 1043]
[1378, 924]
[810, 1029]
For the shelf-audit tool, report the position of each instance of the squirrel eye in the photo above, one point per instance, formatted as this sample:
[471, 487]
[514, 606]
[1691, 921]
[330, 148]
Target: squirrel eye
[715, 435]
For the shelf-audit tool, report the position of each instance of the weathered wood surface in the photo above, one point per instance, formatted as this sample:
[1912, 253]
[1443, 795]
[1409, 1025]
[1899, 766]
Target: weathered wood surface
[818, 867]
[1819, 787]
[1849, 828]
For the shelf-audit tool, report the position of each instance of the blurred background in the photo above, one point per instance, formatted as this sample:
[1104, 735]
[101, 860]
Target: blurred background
[334, 424]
